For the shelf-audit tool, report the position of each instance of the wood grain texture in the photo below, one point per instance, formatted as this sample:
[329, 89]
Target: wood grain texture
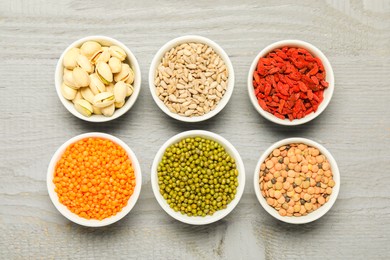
[355, 36]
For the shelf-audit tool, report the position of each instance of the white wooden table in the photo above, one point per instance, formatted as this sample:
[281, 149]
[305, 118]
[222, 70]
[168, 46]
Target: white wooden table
[355, 36]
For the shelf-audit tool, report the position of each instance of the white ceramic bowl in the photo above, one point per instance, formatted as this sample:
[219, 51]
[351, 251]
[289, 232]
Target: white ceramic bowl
[196, 220]
[316, 214]
[327, 93]
[92, 222]
[130, 59]
[157, 60]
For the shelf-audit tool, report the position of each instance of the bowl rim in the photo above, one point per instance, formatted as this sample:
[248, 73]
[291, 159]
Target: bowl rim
[328, 93]
[58, 76]
[74, 217]
[218, 49]
[196, 220]
[315, 214]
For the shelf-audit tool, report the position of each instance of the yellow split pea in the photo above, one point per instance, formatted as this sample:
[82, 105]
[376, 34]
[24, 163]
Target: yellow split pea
[296, 179]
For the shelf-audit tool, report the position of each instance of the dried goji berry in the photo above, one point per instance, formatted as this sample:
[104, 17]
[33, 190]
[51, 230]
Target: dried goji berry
[263, 105]
[324, 83]
[284, 97]
[315, 97]
[279, 115]
[295, 76]
[278, 59]
[273, 70]
[281, 78]
[257, 90]
[260, 87]
[302, 86]
[281, 106]
[282, 55]
[314, 70]
[301, 50]
[320, 76]
[319, 63]
[308, 111]
[267, 90]
[260, 96]
[256, 77]
[259, 65]
[265, 61]
[314, 79]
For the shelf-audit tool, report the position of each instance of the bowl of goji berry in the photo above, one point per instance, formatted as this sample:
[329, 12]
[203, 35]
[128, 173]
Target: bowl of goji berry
[290, 82]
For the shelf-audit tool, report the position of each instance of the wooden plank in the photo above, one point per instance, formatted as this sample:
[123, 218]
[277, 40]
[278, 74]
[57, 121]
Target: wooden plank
[355, 36]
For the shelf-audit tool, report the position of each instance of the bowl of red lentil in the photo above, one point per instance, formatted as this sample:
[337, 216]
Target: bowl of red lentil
[94, 179]
[290, 82]
[198, 177]
[297, 180]
[191, 78]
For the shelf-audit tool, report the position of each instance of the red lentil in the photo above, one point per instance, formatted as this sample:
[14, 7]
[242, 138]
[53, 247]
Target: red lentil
[94, 178]
[289, 83]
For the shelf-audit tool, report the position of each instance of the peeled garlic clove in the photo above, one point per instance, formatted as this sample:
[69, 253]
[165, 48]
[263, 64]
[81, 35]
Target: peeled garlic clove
[103, 99]
[83, 107]
[96, 85]
[68, 92]
[70, 57]
[118, 52]
[123, 75]
[69, 80]
[104, 72]
[108, 110]
[81, 77]
[130, 79]
[110, 88]
[87, 94]
[115, 65]
[84, 63]
[120, 91]
[119, 105]
[90, 48]
[130, 90]
[104, 56]
[77, 97]
[96, 110]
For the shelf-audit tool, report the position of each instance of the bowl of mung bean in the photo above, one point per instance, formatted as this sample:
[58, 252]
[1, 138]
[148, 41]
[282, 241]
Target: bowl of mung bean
[297, 180]
[94, 179]
[198, 177]
[191, 78]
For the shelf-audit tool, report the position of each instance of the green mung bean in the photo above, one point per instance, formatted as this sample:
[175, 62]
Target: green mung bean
[197, 177]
